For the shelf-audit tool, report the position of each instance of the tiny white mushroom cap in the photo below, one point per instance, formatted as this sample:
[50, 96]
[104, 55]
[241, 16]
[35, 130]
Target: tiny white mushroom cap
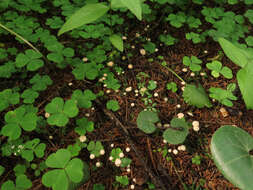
[196, 128]
[192, 74]
[129, 89]
[175, 151]
[47, 115]
[98, 164]
[132, 104]
[132, 186]
[178, 106]
[183, 147]
[92, 156]
[128, 149]
[102, 152]
[134, 180]
[121, 155]
[195, 123]
[184, 70]
[130, 66]
[110, 158]
[155, 94]
[110, 64]
[180, 115]
[128, 170]
[142, 51]
[118, 162]
[164, 141]
[165, 99]
[183, 83]
[112, 145]
[169, 150]
[82, 138]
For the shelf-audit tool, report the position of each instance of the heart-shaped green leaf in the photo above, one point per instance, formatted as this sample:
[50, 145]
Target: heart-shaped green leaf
[58, 159]
[146, 120]
[230, 148]
[178, 131]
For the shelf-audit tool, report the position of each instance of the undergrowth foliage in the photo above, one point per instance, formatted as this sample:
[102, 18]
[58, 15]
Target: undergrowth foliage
[86, 39]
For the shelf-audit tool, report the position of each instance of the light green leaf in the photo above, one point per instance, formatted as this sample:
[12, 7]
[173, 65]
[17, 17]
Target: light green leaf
[70, 108]
[239, 56]
[245, 82]
[230, 148]
[117, 42]
[74, 170]
[57, 179]
[87, 14]
[134, 6]
[196, 96]
[58, 159]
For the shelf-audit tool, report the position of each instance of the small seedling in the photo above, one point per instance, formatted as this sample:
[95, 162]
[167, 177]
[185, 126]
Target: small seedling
[171, 86]
[196, 160]
[223, 96]
[217, 69]
[192, 62]
[112, 105]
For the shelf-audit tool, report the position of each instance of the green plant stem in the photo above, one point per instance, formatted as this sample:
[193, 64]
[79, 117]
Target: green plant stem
[20, 37]
[174, 73]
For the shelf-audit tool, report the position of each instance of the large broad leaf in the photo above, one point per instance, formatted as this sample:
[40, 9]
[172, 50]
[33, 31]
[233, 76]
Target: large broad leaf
[87, 14]
[239, 56]
[134, 6]
[146, 120]
[230, 148]
[178, 131]
[245, 81]
[117, 42]
[196, 96]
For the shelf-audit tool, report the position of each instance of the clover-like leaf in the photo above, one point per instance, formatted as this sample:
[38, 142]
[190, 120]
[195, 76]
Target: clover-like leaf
[31, 59]
[196, 96]
[29, 96]
[193, 62]
[60, 112]
[178, 131]
[8, 97]
[83, 98]
[146, 121]
[112, 105]
[74, 170]
[231, 150]
[58, 159]
[57, 179]
[17, 119]
[40, 83]
[83, 126]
